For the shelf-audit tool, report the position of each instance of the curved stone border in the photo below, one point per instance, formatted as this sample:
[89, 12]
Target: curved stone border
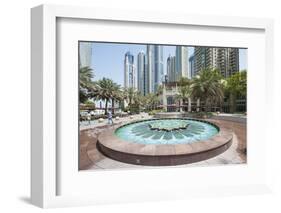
[163, 155]
[230, 118]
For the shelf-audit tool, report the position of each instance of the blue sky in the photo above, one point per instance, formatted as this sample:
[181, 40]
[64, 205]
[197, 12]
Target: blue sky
[108, 59]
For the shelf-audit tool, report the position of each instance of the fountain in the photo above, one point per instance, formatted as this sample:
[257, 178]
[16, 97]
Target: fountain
[165, 141]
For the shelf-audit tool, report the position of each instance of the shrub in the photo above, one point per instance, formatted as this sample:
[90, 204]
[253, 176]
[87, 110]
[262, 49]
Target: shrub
[134, 109]
[153, 112]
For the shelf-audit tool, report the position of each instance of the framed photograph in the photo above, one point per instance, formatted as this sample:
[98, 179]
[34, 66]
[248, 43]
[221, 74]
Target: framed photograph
[149, 106]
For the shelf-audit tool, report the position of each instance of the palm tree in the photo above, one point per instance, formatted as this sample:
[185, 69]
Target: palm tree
[130, 94]
[235, 86]
[151, 100]
[104, 92]
[184, 92]
[159, 93]
[207, 86]
[116, 95]
[142, 100]
[135, 99]
[184, 95]
[85, 76]
[85, 83]
[159, 90]
[184, 81]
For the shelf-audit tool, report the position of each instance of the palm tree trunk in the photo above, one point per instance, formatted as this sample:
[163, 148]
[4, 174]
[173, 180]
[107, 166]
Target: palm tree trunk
[189, 104]
[120, 105]
[106, 102]
[221, 105]
[207, 106]
[198, 105]
[113, 110]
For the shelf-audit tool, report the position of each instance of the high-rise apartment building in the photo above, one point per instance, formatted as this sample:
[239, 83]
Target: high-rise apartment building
[85, 54]
[191, 66]
[204, 58]
[129, 71]
[226, 60]
[182, 62]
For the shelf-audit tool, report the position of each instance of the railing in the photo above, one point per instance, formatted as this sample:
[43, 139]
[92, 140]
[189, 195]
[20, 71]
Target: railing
[240, 106]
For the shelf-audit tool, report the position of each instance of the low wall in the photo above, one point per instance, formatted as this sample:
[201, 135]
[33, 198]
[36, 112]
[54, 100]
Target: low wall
[169, 115]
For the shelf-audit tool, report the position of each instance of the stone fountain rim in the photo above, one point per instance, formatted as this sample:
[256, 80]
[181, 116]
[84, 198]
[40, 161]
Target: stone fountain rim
[163, 154]
[111, 141]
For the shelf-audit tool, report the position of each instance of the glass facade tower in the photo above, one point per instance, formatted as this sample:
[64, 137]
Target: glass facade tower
[129, 71]
[141, 73]
[182, 62]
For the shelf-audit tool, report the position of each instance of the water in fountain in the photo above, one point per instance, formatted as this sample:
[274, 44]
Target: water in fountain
[167, 131]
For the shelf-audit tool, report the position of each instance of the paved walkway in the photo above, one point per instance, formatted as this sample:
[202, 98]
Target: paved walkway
[92, 159]
[93, 124]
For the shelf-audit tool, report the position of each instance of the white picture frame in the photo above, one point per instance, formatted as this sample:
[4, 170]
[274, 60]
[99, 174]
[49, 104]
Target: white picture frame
[44, 149]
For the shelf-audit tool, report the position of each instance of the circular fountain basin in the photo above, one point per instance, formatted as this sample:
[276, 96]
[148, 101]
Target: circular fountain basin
[167, 131]
[170, 141]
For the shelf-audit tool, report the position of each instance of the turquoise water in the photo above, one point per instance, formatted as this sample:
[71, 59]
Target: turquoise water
[188, 131]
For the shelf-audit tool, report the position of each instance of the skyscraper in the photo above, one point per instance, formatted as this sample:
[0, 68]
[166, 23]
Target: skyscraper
[232, 61]
[150, 68]
[205, 57]
[129, 71]
[226, 60]
[85, 54]
[191, 66]
[171, 68]
[159, 66]
[182, 62]
[141, 73]
[155, 67]
[199, 59]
